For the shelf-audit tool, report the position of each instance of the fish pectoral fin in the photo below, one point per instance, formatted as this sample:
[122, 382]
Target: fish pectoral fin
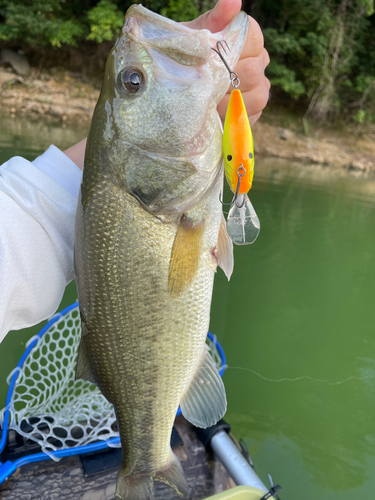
[83, 368]
[224, 253]
[205, 402]
[186, 253]
[174, 476]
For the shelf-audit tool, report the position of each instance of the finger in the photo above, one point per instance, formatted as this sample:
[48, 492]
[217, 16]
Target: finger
[254, 40]
[217, 18]
[253, 119]
[250, 71]
[266, 58]
[255, 100]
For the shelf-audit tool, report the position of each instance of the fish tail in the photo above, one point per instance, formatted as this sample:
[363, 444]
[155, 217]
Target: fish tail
[134, 487]
[141, 486]
[174, 476]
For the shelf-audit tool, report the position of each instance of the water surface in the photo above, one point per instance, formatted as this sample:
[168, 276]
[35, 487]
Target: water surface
[297, 324]
[296, 321]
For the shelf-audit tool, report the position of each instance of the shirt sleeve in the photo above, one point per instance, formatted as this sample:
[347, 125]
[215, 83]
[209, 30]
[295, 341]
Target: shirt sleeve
[37, 211]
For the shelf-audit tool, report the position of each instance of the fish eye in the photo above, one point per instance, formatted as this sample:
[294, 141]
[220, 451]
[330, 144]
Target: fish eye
[229, 157]
[250, 155]
[131, 79]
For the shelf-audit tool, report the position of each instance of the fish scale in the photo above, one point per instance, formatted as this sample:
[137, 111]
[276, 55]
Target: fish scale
[149, 236]
[151, 324]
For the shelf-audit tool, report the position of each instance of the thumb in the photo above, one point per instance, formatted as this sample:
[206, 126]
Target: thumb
[217, 18]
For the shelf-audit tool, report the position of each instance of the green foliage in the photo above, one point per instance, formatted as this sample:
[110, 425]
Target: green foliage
[363, 82]
[105, 21]
[286, 79]
[33, 22]
[360, 116]
[322, 53]
[182, 10]
[57, 22]
[66, 32]
[370, 7]
[281, 43]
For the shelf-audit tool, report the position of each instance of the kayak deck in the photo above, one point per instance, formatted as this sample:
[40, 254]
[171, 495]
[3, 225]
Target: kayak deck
[66, 480]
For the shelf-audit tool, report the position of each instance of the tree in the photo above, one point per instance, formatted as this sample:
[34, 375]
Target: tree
[322, 54]
[345, 39]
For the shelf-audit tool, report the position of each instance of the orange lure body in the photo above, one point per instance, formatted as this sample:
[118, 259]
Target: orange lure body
[238, 145]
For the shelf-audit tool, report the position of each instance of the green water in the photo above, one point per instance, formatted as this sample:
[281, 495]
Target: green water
[296, 321]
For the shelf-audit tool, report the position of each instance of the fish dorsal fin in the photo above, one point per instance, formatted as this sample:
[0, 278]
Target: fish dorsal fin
[224, 252]
[205, 402]
[186, 253]
[83, 368]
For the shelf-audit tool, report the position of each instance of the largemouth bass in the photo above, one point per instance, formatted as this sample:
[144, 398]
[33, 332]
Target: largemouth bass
[149, 236]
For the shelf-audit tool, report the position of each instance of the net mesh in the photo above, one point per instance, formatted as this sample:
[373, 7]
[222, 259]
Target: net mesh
[52, 408]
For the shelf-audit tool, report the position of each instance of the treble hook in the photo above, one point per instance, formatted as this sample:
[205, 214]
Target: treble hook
[241, 171]
[235, 81]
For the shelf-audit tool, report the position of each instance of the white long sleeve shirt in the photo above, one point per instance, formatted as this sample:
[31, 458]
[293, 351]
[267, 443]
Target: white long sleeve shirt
[37, 211]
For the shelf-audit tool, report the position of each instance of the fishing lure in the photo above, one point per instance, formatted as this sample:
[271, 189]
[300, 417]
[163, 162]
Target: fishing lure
[243, 224]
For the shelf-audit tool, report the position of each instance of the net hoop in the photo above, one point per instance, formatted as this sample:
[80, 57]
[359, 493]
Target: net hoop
[64, 416]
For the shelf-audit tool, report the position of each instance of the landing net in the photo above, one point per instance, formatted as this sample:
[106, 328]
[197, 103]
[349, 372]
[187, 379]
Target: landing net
[45, 403]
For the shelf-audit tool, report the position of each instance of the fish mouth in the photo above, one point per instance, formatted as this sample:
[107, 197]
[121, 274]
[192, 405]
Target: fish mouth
[184, 80]
[187, 47]
[180, 43]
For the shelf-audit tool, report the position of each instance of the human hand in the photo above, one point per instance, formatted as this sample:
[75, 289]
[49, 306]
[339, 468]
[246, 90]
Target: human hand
[252, 63]
[77, 153]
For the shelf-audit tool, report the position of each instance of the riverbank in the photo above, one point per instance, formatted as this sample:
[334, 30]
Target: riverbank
[56, 96]
[59, 96]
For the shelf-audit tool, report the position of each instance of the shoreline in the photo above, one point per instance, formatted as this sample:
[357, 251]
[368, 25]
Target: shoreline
[62, 97]
[54, 98]
[324, 148]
